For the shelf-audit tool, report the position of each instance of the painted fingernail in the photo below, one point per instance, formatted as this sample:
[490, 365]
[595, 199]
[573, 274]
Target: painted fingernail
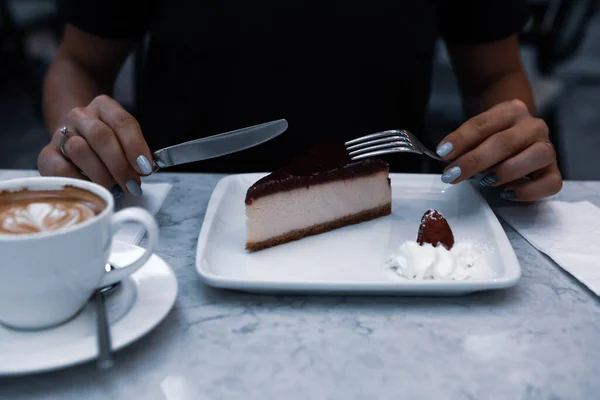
[144, 165]
[509, 195]
[116, 191]
[134, 188]
[451, 175]
[489, 179]
[445, 149]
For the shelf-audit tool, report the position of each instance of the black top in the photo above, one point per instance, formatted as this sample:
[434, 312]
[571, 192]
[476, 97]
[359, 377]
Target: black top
[335, 69]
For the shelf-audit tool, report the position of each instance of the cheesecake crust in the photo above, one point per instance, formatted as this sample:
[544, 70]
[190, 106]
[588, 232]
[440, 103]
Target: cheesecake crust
[298, 234]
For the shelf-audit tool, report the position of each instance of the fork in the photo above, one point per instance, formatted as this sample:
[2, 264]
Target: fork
[387, 142]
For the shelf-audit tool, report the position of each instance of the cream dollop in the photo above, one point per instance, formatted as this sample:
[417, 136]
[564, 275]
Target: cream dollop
[41, 217]
[413, 261]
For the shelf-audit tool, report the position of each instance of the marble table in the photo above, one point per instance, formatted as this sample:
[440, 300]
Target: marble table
[538, 340]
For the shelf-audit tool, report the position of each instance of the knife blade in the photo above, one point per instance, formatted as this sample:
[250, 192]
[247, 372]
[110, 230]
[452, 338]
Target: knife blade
[219, 145]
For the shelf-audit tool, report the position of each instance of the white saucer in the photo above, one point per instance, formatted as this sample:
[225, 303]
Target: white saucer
[134, 309]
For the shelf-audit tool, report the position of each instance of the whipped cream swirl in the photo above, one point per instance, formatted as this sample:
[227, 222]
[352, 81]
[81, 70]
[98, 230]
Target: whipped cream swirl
[42, 217]
[414, 261]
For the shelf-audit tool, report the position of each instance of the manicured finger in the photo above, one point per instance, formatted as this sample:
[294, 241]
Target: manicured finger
[496, 149]
[81, 154]
[534, 158]
[105, 144]
[547, 182]
[477, 129]
[128, 131]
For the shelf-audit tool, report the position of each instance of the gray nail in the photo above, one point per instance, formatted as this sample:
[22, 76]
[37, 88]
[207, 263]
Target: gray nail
[445, 149]
[489, 179]
[509, 195]
[116, 191]
[451, 175]
[144, 165]
[134, 188]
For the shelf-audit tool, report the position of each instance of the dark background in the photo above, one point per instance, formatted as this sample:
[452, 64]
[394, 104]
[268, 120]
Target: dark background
[561, 51]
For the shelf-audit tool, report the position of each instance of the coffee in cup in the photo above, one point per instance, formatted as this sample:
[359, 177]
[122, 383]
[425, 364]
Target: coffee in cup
[30, 211]
[55, 242]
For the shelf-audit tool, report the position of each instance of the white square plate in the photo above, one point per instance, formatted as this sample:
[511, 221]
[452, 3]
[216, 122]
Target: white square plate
[351, 260]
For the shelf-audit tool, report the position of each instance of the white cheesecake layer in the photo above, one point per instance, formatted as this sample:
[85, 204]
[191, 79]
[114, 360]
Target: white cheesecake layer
[283, 212]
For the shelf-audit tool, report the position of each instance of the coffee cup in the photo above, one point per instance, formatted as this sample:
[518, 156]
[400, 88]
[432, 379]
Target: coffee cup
[55, 242]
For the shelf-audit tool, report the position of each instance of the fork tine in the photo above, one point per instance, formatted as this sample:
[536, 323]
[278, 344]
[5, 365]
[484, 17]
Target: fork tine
[373, 136]
[382, 152]
[369, 143]
[370, 149]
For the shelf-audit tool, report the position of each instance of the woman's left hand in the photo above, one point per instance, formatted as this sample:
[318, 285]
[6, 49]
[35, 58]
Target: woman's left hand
[508, 145]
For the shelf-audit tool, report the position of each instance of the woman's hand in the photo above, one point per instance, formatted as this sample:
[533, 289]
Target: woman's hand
[104, 144]
[510, 147]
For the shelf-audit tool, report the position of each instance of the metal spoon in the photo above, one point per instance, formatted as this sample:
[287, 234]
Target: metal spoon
[105, 355]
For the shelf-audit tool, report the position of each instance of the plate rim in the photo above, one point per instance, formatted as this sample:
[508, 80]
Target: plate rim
[119, 342]
[510, 261]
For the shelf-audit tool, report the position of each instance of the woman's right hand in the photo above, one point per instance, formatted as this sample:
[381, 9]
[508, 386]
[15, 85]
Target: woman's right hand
[104, 144]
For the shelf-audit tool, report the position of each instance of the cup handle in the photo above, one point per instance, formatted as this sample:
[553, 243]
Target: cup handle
[139, 215]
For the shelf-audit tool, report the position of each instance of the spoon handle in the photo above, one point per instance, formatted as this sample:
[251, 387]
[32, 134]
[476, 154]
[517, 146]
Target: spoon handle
[105, 356]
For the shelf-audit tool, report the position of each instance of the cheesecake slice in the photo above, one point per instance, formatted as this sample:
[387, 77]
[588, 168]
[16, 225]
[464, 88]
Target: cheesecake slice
[317, 192]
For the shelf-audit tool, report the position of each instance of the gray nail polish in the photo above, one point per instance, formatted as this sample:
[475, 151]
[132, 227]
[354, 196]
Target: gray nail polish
[144, 165]
[509, 195]
[116, 191]
[134, 188]
[489, 179]
[451, 175]
[445, 149]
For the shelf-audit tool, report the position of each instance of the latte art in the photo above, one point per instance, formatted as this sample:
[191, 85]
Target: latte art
[42, 217]
[29, 211]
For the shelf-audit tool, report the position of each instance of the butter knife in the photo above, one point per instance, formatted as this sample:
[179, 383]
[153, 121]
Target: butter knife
[218, 145]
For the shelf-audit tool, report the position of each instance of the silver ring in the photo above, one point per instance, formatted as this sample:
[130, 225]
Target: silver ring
[63, 139]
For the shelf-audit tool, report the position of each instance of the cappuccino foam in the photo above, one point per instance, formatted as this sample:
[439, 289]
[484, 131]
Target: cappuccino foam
[32, 211]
